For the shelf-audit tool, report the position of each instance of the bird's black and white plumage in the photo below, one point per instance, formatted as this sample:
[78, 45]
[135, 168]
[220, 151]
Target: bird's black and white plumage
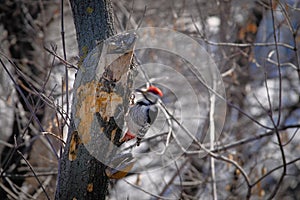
[142, 114]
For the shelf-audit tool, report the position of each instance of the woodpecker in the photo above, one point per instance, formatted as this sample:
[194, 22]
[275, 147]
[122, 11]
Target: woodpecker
[142, 114]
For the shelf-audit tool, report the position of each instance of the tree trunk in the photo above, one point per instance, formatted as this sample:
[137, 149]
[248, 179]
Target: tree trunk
[81, 176]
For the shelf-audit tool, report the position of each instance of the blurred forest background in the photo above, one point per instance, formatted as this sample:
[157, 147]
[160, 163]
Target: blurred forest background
[255, 45]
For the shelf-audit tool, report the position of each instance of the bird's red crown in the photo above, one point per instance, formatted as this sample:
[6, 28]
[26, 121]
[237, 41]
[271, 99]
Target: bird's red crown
[155, 90]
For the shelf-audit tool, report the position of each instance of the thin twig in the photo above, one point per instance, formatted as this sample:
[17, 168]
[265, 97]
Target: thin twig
[32, 170]
[212, 138]
[229, 44]
[270, 113]
[294, 32]
[27, 103]
[55, 136]
[169, 121]
[145, 191]
[273, 170]
[194, 70]
[177, 173]
[276, 124]
[293, 136]
[8, 191]
[65, 54]
[142, 19]
[22, 176]
[63, 61]
[214, 155]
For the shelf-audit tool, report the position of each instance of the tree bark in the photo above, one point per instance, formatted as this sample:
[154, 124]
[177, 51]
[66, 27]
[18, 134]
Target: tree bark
[81, 176]
[93, 22]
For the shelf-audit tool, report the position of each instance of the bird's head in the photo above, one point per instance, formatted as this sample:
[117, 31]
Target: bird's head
[151, 93]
